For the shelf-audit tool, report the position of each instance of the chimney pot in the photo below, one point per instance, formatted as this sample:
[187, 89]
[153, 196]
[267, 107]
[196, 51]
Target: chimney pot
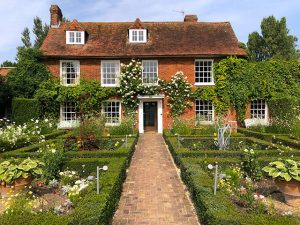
[55, 16]
[190, 18]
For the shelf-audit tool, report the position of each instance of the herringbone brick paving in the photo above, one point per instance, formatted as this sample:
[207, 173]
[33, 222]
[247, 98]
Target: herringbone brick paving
[153, 192]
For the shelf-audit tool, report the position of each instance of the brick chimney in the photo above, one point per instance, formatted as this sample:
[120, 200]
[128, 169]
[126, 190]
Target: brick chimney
[190, 18]
[55, 16]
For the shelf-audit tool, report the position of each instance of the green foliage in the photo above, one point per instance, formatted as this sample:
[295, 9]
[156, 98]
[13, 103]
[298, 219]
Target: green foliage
[40, 31]
[284, 113]
[181, 126]
[219, 209]
[4, 91]
[26, 38]
[23, 110]
[10, 170]
[53, 157]
[250, 165]
[47, 95]
[93, 126]
[179, 93]
[126, 127]
[287, 170]
[237, 82]
[275, 41]
[88, 96]
[28, 74]
[7, 63]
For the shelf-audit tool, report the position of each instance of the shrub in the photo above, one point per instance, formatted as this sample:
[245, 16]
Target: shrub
[23, 110]
[182, 127]
[54, 158]
[126, 127]
[283, 113]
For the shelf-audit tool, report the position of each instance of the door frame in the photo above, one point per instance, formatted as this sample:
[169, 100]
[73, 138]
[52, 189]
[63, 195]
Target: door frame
[151, 98]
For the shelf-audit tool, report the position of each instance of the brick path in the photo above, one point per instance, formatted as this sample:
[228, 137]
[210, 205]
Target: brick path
[153, 192]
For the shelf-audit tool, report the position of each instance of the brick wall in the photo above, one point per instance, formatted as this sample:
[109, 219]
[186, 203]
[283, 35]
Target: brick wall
[91, 69]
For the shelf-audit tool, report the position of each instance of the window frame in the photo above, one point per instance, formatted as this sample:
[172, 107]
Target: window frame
[62, 80]
[212, 72]
[198, 111]
[64, 124]
[131, 31]
[82, 36]
[116, 84]
[265, 110]
[150, 60]
[120, 112]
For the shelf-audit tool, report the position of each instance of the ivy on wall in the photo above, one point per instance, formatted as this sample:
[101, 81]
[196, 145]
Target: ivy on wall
[87, 96]
[237, 82]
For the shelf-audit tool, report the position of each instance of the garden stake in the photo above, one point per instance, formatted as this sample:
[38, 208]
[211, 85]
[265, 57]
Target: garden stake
[178, 140]
[126, 143]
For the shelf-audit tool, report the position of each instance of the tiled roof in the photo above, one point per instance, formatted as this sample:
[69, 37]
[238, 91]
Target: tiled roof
[110, 39]
[4, 70]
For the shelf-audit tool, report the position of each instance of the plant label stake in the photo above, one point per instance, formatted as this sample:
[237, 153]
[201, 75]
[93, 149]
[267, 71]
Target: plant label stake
[104, 168]
[126, 141]
[178, 140]
[210, 167]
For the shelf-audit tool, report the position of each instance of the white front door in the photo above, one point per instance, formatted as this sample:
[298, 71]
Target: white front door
[145, 107]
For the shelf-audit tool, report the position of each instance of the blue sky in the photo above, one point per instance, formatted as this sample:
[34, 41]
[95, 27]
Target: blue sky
[244, 15]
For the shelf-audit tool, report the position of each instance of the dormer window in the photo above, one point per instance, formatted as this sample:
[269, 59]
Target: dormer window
[138, 35]
[75, 37]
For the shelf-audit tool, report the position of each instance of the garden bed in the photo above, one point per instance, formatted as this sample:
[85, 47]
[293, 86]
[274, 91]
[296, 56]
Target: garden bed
[88, 207]
[222, 209]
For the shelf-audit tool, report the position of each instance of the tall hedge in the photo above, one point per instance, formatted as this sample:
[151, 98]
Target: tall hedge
[24, 109]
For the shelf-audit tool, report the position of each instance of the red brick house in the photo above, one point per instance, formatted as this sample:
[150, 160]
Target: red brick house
[94, 50]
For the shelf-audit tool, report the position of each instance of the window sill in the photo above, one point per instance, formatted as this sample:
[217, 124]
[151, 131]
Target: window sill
[110, 85]
[150, 84]
[68, 124]
[204, 84]
[112, 124]
[70, 85]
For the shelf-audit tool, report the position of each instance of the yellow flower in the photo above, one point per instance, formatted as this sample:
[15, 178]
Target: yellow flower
[215, 134]
[30, 192]
[215, 139]
[108, 135]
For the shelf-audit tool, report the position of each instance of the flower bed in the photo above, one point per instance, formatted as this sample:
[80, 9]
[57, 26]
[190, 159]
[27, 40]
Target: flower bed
[223, 208]
[14, 136]
[87, 206]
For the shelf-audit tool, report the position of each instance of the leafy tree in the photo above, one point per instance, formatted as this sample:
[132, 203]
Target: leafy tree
[40, 31]
[7, 63]
[28, 74]
[274, 41]
[26, 38]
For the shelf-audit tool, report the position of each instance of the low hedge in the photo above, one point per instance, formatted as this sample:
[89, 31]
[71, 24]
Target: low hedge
[92, 208]
[259, 135]
[285, 140]
[217, 210]
[24, 109]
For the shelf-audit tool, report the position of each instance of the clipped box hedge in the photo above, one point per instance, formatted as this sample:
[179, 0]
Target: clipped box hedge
[219, 209]
[24, 109]
[92, 208]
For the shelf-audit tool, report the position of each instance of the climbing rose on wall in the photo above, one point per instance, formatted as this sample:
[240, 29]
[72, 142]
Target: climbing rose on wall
[179, 92]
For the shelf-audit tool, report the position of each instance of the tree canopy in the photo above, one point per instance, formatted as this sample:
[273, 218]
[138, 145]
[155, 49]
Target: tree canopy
[28, 74]
[273, 42]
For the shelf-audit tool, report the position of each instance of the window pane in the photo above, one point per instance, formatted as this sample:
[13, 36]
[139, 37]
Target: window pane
[70, 72]
[110, 72]
[258, 109]
[149, 72]
[111, 111]
[204, 110]
[203, 71]
[68, 112]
